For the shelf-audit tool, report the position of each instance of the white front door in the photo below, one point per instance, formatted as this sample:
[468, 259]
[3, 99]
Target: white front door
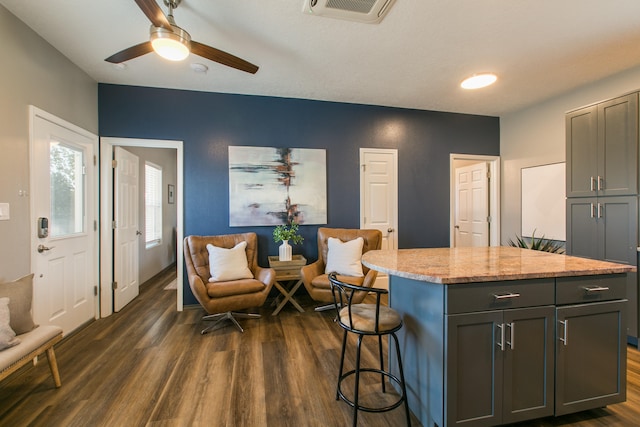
[472, 205]
[379, 197]
[127, 229]
[63, 214]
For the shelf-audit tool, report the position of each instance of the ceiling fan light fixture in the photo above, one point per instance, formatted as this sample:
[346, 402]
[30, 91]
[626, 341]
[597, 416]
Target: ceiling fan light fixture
[172, 45]
[478, 81]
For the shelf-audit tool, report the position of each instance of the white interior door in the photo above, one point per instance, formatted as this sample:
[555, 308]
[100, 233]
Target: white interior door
[64, 246]
[472, 205]
[379, 197]
[127, 230]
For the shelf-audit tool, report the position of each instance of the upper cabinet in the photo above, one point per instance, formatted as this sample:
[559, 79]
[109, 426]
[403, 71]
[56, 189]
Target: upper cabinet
[602, 149]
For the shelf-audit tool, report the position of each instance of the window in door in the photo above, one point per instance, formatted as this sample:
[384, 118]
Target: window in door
[67, 189]
[153, 204]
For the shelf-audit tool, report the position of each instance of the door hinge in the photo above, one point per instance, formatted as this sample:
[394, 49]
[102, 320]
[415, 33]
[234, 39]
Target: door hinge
[114, 225]
[364, 168]
[488, 174]
[95, 291]
[95, 225]
[84, 170]
[95, 160]
[489, 219]
[114, 285]
[114, 163]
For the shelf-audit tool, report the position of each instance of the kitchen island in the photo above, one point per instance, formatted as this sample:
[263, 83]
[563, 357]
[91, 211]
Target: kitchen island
[497, 335]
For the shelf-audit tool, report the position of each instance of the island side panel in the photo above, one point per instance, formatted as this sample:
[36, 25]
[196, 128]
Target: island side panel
[421, 306]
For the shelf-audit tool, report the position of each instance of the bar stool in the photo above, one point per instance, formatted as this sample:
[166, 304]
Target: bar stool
[363, 320]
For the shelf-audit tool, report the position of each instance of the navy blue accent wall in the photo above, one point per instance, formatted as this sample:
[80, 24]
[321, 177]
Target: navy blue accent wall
[209, 122]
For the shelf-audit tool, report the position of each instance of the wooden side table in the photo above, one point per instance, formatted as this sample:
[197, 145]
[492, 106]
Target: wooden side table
[287, 272]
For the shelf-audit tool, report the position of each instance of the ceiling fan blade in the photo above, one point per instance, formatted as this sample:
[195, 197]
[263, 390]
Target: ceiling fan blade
[130, 53]
[154, 13]
[222, 57]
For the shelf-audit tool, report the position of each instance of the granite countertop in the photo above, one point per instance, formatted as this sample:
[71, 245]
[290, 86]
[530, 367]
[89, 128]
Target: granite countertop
[486, 264]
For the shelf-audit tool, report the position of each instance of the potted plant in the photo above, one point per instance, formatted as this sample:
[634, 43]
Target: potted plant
[538, 244]
[285, 233]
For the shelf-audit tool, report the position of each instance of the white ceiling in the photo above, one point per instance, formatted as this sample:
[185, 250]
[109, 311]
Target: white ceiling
[415, 58]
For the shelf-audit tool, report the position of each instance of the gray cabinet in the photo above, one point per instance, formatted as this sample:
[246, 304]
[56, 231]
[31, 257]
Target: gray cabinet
[499, 358]
[590, 338]
[591, 356]
[602, 149]
[500, 366]
[604, 228]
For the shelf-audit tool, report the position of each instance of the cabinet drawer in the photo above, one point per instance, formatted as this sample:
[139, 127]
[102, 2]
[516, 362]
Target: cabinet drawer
[470, 297]
[571, 290]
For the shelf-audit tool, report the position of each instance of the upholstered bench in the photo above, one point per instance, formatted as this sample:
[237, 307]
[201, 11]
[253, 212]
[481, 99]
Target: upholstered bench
[32, 344]
[21, 340]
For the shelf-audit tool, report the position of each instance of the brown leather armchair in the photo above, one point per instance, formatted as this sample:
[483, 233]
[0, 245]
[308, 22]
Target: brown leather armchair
[220, 299]
[316, 281]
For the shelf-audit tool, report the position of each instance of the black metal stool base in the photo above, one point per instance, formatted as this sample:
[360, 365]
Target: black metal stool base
[392, 377]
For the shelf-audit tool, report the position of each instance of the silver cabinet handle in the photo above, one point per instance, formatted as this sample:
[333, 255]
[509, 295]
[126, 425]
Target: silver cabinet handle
[596, 288]
[599, 210]
[592, 183]
[506, 296]
[512, 335]
[565, 334]
[593, 214]
[600, 183]
[501, 343]
[42, 248]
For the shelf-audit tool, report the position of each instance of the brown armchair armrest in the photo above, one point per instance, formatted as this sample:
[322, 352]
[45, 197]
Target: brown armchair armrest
[265, 275]
[311, 271]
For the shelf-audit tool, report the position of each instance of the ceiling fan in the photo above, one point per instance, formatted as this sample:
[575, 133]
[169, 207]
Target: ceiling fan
[172, 42]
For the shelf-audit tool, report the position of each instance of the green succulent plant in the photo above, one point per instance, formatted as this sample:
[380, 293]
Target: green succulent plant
[538, 244]
[287, 232]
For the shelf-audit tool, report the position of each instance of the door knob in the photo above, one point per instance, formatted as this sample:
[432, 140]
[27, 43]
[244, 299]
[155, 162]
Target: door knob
[390, 230]
[138, 233]
[42, 248]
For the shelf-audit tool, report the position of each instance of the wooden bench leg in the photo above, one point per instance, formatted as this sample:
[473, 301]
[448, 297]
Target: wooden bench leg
[53, 365]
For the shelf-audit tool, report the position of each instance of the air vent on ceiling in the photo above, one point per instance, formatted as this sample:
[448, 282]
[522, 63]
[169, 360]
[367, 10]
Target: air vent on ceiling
[369, 11]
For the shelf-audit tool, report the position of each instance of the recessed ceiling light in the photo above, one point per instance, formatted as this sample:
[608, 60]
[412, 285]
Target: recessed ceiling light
[120, 66]
[199, 68]
[478, 81]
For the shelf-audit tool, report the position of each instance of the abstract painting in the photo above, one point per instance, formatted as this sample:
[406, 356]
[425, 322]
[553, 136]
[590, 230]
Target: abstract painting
[271, 186]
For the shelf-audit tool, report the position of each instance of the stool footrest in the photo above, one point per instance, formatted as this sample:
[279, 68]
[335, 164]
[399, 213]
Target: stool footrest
[368, 408]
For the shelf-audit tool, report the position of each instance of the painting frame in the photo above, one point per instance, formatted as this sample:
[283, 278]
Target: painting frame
[270, 186]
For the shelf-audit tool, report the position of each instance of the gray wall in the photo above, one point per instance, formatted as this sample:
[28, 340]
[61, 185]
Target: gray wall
[536, 136]
[155, 259]
[32, 73]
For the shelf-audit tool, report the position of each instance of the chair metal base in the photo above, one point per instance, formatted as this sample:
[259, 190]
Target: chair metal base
[325, 307]
[218, 320]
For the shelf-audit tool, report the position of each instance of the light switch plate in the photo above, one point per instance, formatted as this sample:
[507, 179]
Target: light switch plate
[4, 212]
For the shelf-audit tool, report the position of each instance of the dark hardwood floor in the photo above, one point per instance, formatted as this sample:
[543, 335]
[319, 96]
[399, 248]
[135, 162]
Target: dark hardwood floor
[149, 366]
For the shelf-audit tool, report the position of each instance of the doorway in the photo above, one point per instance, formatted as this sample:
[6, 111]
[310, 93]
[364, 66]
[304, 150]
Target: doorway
[106, 214]
[457, 161]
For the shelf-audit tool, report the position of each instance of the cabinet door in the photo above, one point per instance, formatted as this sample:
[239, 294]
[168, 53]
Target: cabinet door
[528, 363]
[618, 229]
[591, 356]
[582, 229]
[582, 142]
[473, 373]
[618, 146]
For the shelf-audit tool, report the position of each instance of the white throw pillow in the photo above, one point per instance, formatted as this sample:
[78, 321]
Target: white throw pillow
[228, 264]
[344, 257]
[7, 335]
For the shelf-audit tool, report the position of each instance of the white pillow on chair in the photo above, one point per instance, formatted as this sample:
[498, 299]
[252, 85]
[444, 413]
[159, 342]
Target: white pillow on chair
[228, 264]
[345, 257]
